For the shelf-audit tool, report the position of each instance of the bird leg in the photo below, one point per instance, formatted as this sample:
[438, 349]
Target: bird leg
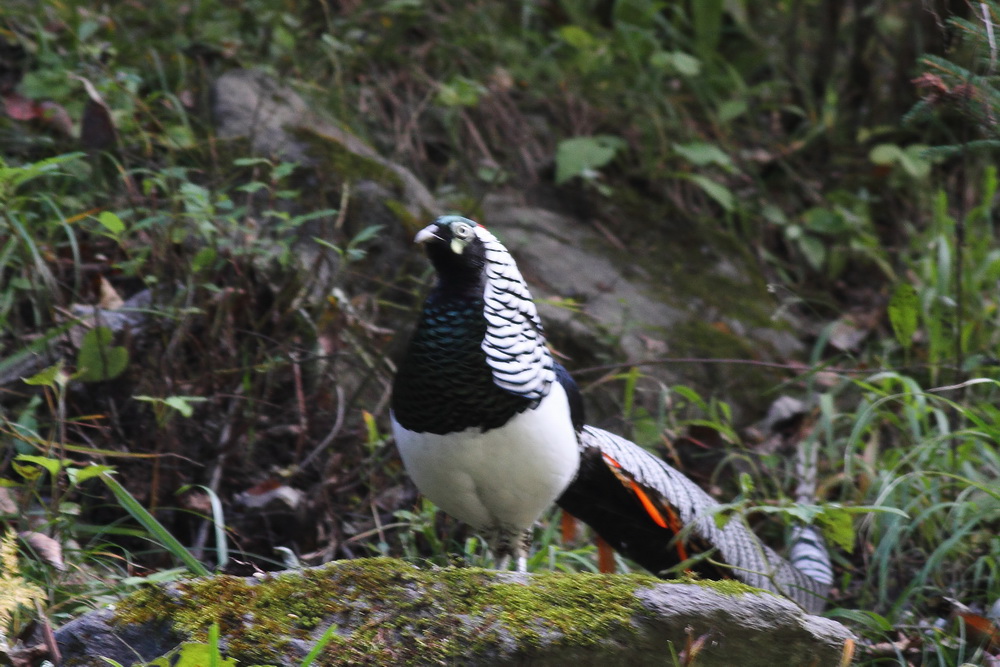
[508, 545]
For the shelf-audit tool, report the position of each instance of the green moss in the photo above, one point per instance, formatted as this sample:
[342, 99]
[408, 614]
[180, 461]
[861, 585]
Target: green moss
[583, 607]
[732, 587]
[696, 337]
[336, 158]
[406, 615]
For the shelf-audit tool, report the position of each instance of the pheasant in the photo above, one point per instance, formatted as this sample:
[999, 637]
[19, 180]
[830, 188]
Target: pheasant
[480, 410]
[491, 429]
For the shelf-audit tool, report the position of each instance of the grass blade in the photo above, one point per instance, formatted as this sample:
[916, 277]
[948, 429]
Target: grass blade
[320, 645]
[155, 528]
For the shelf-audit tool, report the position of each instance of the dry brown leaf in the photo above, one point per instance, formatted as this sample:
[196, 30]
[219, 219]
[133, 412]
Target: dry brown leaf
[7, 504]
[47, 548]
[97, 129]
[846, 336]
[110, 300]
[21, 108]
[55, 115]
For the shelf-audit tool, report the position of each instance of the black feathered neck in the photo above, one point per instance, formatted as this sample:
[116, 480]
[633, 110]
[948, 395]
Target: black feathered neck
[458, 273]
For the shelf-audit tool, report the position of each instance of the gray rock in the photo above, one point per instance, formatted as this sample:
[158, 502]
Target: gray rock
[279, 123]
[561, 256]
[634, 312]
[763, 630]
[87, 639]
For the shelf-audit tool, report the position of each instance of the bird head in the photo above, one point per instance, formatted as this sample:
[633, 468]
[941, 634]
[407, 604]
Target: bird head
[456, 247]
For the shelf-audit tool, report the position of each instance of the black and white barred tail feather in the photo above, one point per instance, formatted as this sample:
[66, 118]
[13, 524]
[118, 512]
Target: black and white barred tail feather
[514, 343]
[806, 547]
[679, 523]
[808, 554]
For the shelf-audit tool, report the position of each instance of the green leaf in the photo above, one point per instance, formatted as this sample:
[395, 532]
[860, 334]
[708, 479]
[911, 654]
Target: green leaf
[81, 475]
[203, 259]
[730, 110]
[904, 310]
[460, 92]
[838, 527]
[48, 377]
[52, 466]
[29, 473]
[251, 161]
[814, 250]
[182, 404]
[198, 654]
[700, 153]
[178, 136]
[914, 163]
[677, 62]
[371, 427]
[284, 170]
[912, 159]
[580, 156]
[98, 359]
[825, 221]
[366, 234]
[722, 195]
[723, 517]
[885, 154]
[111, 222]
[577, 37]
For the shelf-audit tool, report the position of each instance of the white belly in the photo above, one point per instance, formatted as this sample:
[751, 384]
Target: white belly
[505, 477]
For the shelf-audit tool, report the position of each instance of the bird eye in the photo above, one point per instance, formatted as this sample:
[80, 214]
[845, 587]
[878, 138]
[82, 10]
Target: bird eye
[461, 230]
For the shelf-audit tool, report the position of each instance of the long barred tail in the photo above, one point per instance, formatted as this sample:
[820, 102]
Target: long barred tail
[806, 547]
[808, 554]
[655, 515]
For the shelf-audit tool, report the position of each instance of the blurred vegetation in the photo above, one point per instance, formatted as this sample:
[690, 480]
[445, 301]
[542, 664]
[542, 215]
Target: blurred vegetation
[848, 145]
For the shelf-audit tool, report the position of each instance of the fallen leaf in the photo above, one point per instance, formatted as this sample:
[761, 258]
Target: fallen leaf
[110, 300]
[282, 495]
[27, 656]
[97, 129]
[846, 336]
[57, 117]
[19, 107]
[47, 548]
[7, 504]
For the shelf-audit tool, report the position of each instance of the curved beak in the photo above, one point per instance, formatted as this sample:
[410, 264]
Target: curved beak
[427, 233]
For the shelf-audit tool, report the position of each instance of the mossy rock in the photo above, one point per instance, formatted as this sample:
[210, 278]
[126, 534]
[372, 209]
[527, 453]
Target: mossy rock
[388, 612]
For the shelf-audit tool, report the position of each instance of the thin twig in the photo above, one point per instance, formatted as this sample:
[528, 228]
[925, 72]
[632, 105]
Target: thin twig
[798, 368]
[988, 22]
[300, 399]
[334, 432]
